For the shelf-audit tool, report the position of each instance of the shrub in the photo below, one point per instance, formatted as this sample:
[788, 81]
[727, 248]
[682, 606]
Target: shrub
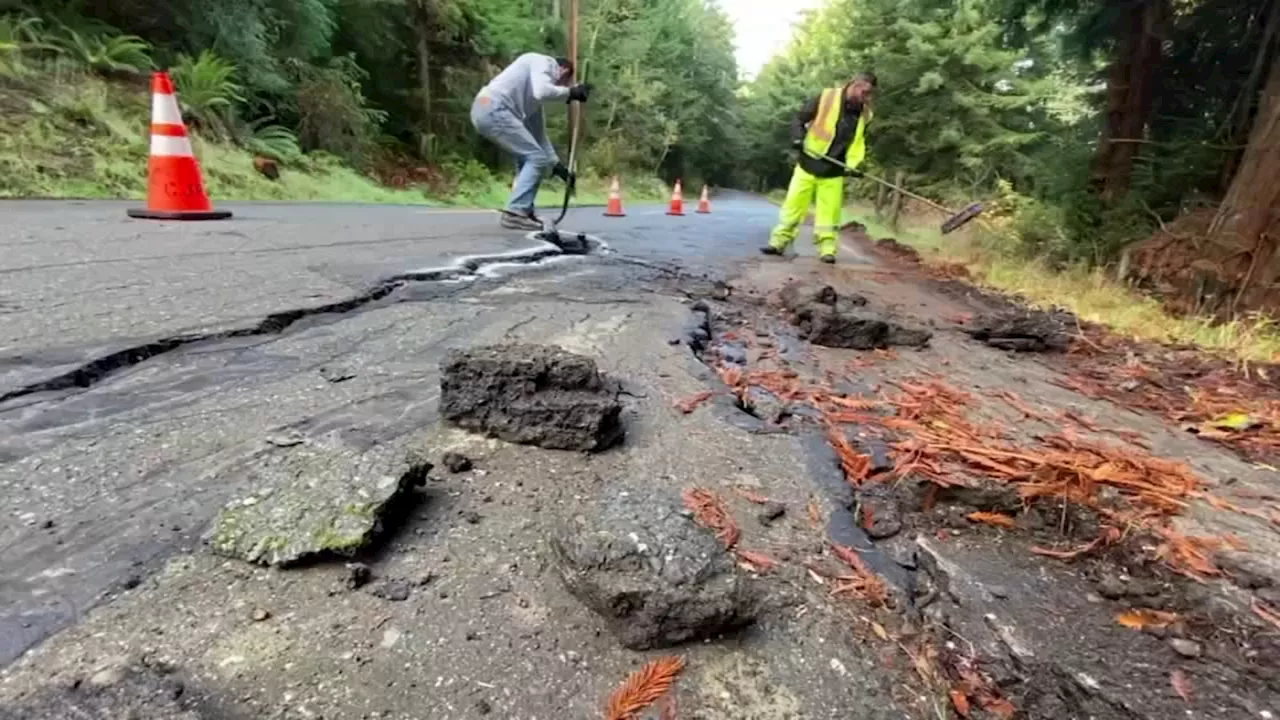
[333, 113]
[106, 54]
[274, 141]
[207, 90]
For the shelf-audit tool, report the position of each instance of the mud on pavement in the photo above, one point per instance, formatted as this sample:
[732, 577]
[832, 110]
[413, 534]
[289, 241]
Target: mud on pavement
[778, 515]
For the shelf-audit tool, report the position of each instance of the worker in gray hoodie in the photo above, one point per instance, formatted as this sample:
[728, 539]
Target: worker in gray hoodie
[508, 111]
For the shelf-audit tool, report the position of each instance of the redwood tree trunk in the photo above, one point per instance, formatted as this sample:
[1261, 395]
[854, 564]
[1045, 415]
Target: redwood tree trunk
[425, 26]
[1249, 217]
[1241, 114]
[1130, 85]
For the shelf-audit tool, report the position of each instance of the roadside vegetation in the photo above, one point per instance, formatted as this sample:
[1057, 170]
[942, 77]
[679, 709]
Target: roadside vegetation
[1091, 293]
[1106, 158]
[1113, 168]
[352, 100]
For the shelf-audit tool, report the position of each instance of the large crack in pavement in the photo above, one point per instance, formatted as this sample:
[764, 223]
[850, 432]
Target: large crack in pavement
[713, 344]
[475, 607]
[106, 482]
[463, 269]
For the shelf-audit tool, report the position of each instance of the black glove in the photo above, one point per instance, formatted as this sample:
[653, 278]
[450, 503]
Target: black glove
[569, 178]
[798, 145]
[579, 93]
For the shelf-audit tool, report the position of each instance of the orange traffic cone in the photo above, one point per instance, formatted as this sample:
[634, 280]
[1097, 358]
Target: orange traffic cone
[615, 200]
[175, 189]
[677, 201]
[704, 205]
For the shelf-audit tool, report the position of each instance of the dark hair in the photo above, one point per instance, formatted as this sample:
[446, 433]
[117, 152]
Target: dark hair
[870, 77]
[565, 63]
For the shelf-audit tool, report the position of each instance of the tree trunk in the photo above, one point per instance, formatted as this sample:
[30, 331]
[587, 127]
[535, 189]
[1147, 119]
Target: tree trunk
[425, 29]
[899, 179]
[1241, 113]
[1130, 81]
[1249, 216]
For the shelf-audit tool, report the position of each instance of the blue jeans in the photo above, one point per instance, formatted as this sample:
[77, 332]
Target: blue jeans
[508, 132]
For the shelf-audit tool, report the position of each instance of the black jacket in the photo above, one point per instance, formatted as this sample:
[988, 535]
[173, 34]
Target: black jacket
[845, 130]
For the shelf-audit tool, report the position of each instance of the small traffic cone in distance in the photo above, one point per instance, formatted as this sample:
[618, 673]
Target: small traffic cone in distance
[704, 204]
[677, 201]
[614, 209]
[175, 188]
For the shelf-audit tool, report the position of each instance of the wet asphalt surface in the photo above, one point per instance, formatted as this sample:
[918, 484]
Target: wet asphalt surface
[141, 360]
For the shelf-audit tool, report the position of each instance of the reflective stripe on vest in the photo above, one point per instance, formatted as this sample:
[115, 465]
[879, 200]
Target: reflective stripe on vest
[822, 131]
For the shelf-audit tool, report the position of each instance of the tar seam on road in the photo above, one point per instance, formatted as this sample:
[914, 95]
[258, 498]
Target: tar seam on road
[98, 369]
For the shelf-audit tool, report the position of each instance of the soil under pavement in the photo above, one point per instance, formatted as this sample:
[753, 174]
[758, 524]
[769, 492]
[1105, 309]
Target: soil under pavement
[487, 629]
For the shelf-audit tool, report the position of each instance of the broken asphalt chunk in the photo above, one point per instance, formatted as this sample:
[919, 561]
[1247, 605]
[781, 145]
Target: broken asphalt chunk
[311, 501]
[656, 578]
[336, 374]
[456, 462]
[831, 320]
[530, 394]
[1021, 330]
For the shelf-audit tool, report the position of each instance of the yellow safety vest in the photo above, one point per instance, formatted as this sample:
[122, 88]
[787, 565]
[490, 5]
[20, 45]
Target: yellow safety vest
[823, 128]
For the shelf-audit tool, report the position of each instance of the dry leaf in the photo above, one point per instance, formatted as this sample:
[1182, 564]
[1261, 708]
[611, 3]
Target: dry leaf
[643, 688]
[1268, 614]
[993, 519]
[1000, 707]
[710, 512]
[960, 702]
[862, 584]
[751, 496]
[1181, 684]
[1141, 618]
[690, 404]
[757, 561]
[815, 513]
[879, 630]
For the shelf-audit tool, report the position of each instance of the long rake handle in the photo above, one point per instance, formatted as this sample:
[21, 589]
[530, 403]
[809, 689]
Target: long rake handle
[889, 185]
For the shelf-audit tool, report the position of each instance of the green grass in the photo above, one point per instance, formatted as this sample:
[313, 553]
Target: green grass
[1090, 293]
[80, 137]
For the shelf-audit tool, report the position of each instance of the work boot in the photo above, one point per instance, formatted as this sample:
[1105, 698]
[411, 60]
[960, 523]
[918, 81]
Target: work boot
[770, 250]
[513, 220]
[829, 259]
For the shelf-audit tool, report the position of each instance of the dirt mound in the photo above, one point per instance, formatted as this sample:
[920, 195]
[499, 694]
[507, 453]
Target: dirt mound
[829, 319]
[1021, 330]
[530, 394]
[895, 249]
[656, 577]
[1193, 274]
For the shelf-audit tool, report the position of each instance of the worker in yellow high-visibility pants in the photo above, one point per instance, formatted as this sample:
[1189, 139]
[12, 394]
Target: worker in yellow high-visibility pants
[834, 125]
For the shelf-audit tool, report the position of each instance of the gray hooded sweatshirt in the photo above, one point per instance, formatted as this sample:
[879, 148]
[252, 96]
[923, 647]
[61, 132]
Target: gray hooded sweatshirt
[523, 87]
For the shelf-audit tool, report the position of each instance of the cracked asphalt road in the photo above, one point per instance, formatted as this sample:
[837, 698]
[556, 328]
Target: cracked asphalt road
[324, 323]
[101, 484]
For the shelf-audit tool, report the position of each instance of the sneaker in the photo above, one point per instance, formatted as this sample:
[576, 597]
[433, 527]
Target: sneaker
[829, 259]
[520, 221]
[770, 250]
